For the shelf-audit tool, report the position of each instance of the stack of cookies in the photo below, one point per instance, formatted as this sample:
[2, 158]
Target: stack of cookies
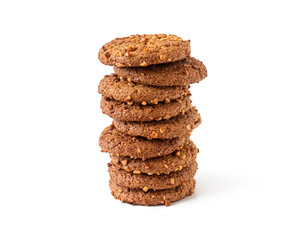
[153, 161]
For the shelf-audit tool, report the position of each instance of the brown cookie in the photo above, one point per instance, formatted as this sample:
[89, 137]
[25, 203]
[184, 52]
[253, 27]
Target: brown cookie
[118, 143]
[151, 197]
[119, 89]
[157, 182]
[141, 113]
[160, 165]
[178, 126]
[144, 50]
[183, 72]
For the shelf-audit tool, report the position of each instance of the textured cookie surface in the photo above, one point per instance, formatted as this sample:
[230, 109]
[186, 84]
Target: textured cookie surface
[160, 165]
[141, 113]
[144, 50]
[156, 182]
[183, 72]
[121, 144]
[178, 126]
[151, 197]
[114, 87]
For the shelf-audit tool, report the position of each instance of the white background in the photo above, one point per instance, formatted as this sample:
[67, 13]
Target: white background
[253, 161]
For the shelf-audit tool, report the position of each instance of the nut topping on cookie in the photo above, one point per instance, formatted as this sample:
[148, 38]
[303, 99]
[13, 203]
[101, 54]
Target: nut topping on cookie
[144, 50]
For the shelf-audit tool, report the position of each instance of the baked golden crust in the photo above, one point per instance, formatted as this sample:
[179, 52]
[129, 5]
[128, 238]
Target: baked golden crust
[113, 141]
[143, 50]
[143, 113]
[178, 126]
[151, 197]
[157, 182]
[173, 162]
[118, 88]
[184, 72]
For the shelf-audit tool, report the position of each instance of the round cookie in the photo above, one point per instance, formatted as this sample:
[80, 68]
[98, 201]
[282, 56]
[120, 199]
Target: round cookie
[178, 126]
[144, 50]
[119, 89]
[151, 197]
[146, 182]
[183, 72]
[118, 143]
[141, 113]
[163, 165]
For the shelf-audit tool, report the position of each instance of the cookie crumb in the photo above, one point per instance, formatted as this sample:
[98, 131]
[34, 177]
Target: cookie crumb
[167, 100]
[153, 135]
[120, 65]
[143, 64]
[162, 57]
[128, 98]
[162, 129]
